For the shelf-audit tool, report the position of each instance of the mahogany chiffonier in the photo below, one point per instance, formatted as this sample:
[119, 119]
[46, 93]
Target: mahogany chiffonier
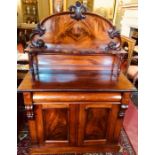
[75, 95]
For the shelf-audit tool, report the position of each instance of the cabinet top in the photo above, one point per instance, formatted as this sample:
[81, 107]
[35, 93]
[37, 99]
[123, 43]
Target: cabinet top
[88, 82]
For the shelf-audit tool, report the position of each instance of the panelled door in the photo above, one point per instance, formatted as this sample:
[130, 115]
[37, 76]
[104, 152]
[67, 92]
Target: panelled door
[55, 123]
[97, 122]
[75, 124]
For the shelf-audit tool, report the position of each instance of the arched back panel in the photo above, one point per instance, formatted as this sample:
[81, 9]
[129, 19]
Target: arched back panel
[80, 31]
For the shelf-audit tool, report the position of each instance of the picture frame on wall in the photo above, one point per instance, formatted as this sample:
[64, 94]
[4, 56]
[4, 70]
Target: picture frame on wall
[129, 2]
[105, 8]
[57, 6]
[87, 3]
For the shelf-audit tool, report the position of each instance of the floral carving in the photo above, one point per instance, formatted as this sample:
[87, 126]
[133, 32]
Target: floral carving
[113, 33]
[110, 46]
[40, 31]
[77, 11]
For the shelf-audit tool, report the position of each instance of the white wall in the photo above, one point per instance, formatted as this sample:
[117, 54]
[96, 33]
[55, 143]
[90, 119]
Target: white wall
[130, 19]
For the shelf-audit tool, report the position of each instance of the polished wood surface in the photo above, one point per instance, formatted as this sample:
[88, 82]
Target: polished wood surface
[73, 149]
[57, 129]
[75, 117]
[62, 33]
[128, 43]
[75, 94]
[55, 123]
[105, 62]
[70, 111]
[97, 121]
[76, 82]
[75, 123]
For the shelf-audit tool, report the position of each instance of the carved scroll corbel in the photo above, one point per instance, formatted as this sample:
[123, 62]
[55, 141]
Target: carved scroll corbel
[29, 112]
[77, 11]
[110, 46]
[39, 43]
[124, 105]
[38, 30]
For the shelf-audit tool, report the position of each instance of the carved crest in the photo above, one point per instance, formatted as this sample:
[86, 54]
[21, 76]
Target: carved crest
[77, 11]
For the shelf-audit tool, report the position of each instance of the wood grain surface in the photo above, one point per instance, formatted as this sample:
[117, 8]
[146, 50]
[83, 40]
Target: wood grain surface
[62, 33]
[76, 82]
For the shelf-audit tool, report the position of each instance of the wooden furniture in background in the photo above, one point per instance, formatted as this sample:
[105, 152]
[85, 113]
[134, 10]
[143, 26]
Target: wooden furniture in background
[130, 70]
[133, 73]
[22, 69]
[23, 33]
[75, 96]
[128, 44]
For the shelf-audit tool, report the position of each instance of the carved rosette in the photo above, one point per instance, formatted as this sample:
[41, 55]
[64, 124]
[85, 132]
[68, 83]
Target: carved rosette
[124, 105]
[113, 33]
[29, 112]
[77, 11]
[37, 31]
[110, 46]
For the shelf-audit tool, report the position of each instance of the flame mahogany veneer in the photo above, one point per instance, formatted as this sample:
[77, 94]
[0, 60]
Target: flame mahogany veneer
[75, 96]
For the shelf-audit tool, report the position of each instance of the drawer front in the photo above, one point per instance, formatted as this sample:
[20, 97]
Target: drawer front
[75, 97]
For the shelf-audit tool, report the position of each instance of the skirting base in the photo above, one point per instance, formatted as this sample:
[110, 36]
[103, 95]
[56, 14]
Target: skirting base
[84, 149]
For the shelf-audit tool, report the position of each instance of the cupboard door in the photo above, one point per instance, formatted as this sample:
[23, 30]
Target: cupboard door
[97, 123]
[55, 124]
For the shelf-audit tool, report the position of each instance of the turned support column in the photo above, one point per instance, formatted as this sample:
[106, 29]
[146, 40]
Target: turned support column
[30, 115]
[123, 107]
